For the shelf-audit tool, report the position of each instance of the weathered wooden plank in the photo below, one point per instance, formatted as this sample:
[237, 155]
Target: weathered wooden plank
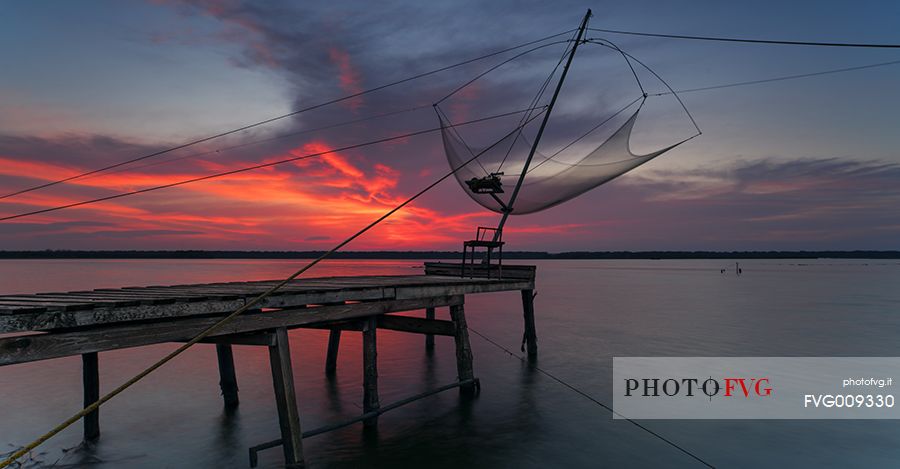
[33, 317]
[247, 338]
[60, 344]
[431, 327]
[49, 304]
[523, 272]
[483, 286]
[286, 400]
[78, 299]
[116, 300]
[16, 308]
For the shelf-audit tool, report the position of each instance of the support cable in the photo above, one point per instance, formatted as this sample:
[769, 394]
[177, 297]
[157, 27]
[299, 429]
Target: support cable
[752, 41]
[265, 140]
[781, 78]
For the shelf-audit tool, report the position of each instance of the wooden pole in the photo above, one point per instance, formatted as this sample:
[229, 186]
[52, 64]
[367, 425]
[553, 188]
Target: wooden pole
[370, 371]
[464, 369]
[286, 399]
[530, 330]
[429, 338]
[91, 380]
[334, 342]
[227, 375]
[562, 77]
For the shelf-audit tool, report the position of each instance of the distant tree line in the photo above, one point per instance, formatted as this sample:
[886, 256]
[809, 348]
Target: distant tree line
[198, 254]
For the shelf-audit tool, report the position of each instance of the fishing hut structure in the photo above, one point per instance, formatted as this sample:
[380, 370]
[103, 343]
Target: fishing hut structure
[51, 325]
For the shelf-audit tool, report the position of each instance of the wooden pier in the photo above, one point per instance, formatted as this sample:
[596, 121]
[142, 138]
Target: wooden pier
[51, 325]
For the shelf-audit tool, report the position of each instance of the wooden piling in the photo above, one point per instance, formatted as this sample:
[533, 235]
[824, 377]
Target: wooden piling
[286, 399]
[227, 375]
[334, 342]
[530, 331]
[91, 380]
[429, 338]
[370, 370]
[464, 369]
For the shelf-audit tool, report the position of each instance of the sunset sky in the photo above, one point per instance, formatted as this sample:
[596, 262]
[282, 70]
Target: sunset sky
[797, 164]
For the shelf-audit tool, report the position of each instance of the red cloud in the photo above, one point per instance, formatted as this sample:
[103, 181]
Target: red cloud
[348, 76]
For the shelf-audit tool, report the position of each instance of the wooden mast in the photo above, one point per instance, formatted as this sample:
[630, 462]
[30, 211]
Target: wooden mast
[512, 198]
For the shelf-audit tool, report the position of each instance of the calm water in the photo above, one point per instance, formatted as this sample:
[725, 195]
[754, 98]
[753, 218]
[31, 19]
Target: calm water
[587, 312]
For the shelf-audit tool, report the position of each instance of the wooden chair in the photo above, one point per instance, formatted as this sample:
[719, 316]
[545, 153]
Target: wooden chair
[484, 238]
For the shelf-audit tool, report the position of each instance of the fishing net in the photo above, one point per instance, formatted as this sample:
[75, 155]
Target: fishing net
[490, 175]
[548, 181]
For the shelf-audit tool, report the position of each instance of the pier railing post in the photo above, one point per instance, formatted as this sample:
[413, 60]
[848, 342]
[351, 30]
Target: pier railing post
[334, 343]
[429, 338]
[370, 370]
[286, 399]
[464, 369]
[227, 376]
[91, 381]
[530, 339]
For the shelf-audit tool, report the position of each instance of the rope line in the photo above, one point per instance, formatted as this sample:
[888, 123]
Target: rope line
[495, 67]
[591, 398]
[208, 331]
[283, 116]
[537, 98]
[606, 43]
[250, 168]
[752, 41]
[781, 78]
[265, 140]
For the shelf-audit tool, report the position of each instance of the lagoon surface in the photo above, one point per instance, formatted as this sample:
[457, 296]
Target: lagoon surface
[588, 311]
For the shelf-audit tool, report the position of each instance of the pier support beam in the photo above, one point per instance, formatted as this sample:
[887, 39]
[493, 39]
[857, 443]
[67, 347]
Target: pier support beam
[429, 338]
[464, 369]
[91, 381]
[530, 339]
[227, 376]
[370, 371]
[334, 342]
[286, 399]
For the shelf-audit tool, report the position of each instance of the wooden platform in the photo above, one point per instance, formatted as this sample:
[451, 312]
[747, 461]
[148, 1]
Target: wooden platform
[50, 325]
